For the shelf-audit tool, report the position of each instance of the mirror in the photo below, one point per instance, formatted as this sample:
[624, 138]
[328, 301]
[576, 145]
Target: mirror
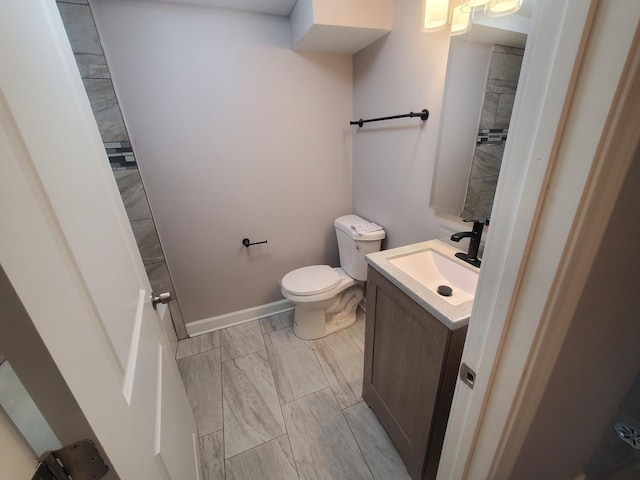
[482, 75]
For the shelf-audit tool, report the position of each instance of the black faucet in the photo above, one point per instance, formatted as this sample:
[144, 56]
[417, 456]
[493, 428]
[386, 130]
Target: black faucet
[474, 245]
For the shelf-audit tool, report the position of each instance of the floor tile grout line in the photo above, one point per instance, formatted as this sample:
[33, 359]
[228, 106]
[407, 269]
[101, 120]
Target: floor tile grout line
[380, 424]
[255, 446]
[276, 390]
[354, 436]
[354, 339]
[246, 324]
[308, 342]
[245, 355]
[341, 411]
[373, 477]
[264, 443]
[195, 353]
[277, 329]
[329, 383]
[224, 460]
[274, 377]
[200, 353]
[220, 335]
[295, 463]
[200, 439]
[286, 428]
[209, 434]
[357, 396]
[322, 369]
[309, 394]
[282, 405]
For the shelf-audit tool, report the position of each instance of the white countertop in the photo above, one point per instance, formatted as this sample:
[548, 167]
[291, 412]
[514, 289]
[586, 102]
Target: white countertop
[453, 317]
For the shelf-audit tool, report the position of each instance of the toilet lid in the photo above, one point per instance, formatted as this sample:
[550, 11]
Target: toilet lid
[310, 280]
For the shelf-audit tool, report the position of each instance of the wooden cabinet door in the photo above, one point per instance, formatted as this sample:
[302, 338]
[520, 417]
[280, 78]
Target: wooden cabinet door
[411, 365]
[404, 354]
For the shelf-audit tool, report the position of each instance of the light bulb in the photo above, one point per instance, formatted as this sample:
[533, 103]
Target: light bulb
[436, 15]
[500, 8]
[460, 20]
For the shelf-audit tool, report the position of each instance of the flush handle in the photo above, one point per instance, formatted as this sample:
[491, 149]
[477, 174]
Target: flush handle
[467, 375]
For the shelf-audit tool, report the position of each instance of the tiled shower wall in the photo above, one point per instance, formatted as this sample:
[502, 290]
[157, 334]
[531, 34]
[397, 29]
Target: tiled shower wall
[83, 36]
[502, 81]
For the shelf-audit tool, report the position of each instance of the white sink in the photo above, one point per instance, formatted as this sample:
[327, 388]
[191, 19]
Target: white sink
[431, 269]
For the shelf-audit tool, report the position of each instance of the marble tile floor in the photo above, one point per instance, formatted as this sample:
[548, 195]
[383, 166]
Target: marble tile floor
[269, 405]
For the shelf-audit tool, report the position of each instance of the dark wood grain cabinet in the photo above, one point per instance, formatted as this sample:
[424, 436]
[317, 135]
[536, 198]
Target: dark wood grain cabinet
[411, 365]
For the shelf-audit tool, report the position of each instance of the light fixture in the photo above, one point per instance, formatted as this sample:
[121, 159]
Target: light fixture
[475, 3]
[499, 8]
[461, 20]
[436, 15]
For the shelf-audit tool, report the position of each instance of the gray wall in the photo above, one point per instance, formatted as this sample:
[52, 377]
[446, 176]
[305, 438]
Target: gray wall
[85, 43]
[236, 136]
[393, 161]
[599, 359]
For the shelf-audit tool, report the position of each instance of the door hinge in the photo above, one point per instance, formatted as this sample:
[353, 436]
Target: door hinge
[467, 375]
[78, 461]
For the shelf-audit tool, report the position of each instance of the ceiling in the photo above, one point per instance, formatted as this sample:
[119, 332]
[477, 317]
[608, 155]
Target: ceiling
[510, 30]
[284, 7]
[275, 7]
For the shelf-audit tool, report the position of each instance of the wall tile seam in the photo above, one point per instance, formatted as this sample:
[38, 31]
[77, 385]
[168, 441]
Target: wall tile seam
[153, 262]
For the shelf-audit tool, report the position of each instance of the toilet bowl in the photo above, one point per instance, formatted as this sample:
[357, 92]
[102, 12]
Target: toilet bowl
[326, 298]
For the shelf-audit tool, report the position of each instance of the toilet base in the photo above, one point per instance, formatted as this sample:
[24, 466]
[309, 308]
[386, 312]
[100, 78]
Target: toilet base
[303, 331]
[319, 319]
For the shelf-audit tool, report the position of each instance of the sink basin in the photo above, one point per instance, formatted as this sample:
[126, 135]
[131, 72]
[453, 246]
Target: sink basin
[432, 270]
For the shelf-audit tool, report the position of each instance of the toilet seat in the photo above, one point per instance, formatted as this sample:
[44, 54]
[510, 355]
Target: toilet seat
[326, 291]
[311, 280]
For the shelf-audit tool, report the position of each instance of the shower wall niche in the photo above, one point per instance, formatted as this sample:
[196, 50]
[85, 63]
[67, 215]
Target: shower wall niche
[85, 43]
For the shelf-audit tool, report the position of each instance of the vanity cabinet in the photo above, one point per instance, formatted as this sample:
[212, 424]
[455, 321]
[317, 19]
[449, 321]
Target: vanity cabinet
[411, 365]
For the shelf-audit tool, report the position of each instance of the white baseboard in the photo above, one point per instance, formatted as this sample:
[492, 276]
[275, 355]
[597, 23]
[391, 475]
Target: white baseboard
[211, 324]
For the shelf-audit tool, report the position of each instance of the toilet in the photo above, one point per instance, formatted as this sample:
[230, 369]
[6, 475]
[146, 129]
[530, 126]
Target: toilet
[326, 298]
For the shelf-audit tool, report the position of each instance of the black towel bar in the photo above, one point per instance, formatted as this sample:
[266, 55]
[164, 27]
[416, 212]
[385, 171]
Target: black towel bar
[424, 114]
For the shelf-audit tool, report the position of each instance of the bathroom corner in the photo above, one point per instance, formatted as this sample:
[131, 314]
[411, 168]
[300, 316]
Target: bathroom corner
[393, 164]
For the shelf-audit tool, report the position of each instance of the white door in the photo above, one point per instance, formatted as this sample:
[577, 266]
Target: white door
[67, 249]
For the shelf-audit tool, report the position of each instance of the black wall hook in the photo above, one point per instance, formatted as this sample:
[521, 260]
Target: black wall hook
[247, 243]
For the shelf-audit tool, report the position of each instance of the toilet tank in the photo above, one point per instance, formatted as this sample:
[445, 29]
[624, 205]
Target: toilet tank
[353, 246]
